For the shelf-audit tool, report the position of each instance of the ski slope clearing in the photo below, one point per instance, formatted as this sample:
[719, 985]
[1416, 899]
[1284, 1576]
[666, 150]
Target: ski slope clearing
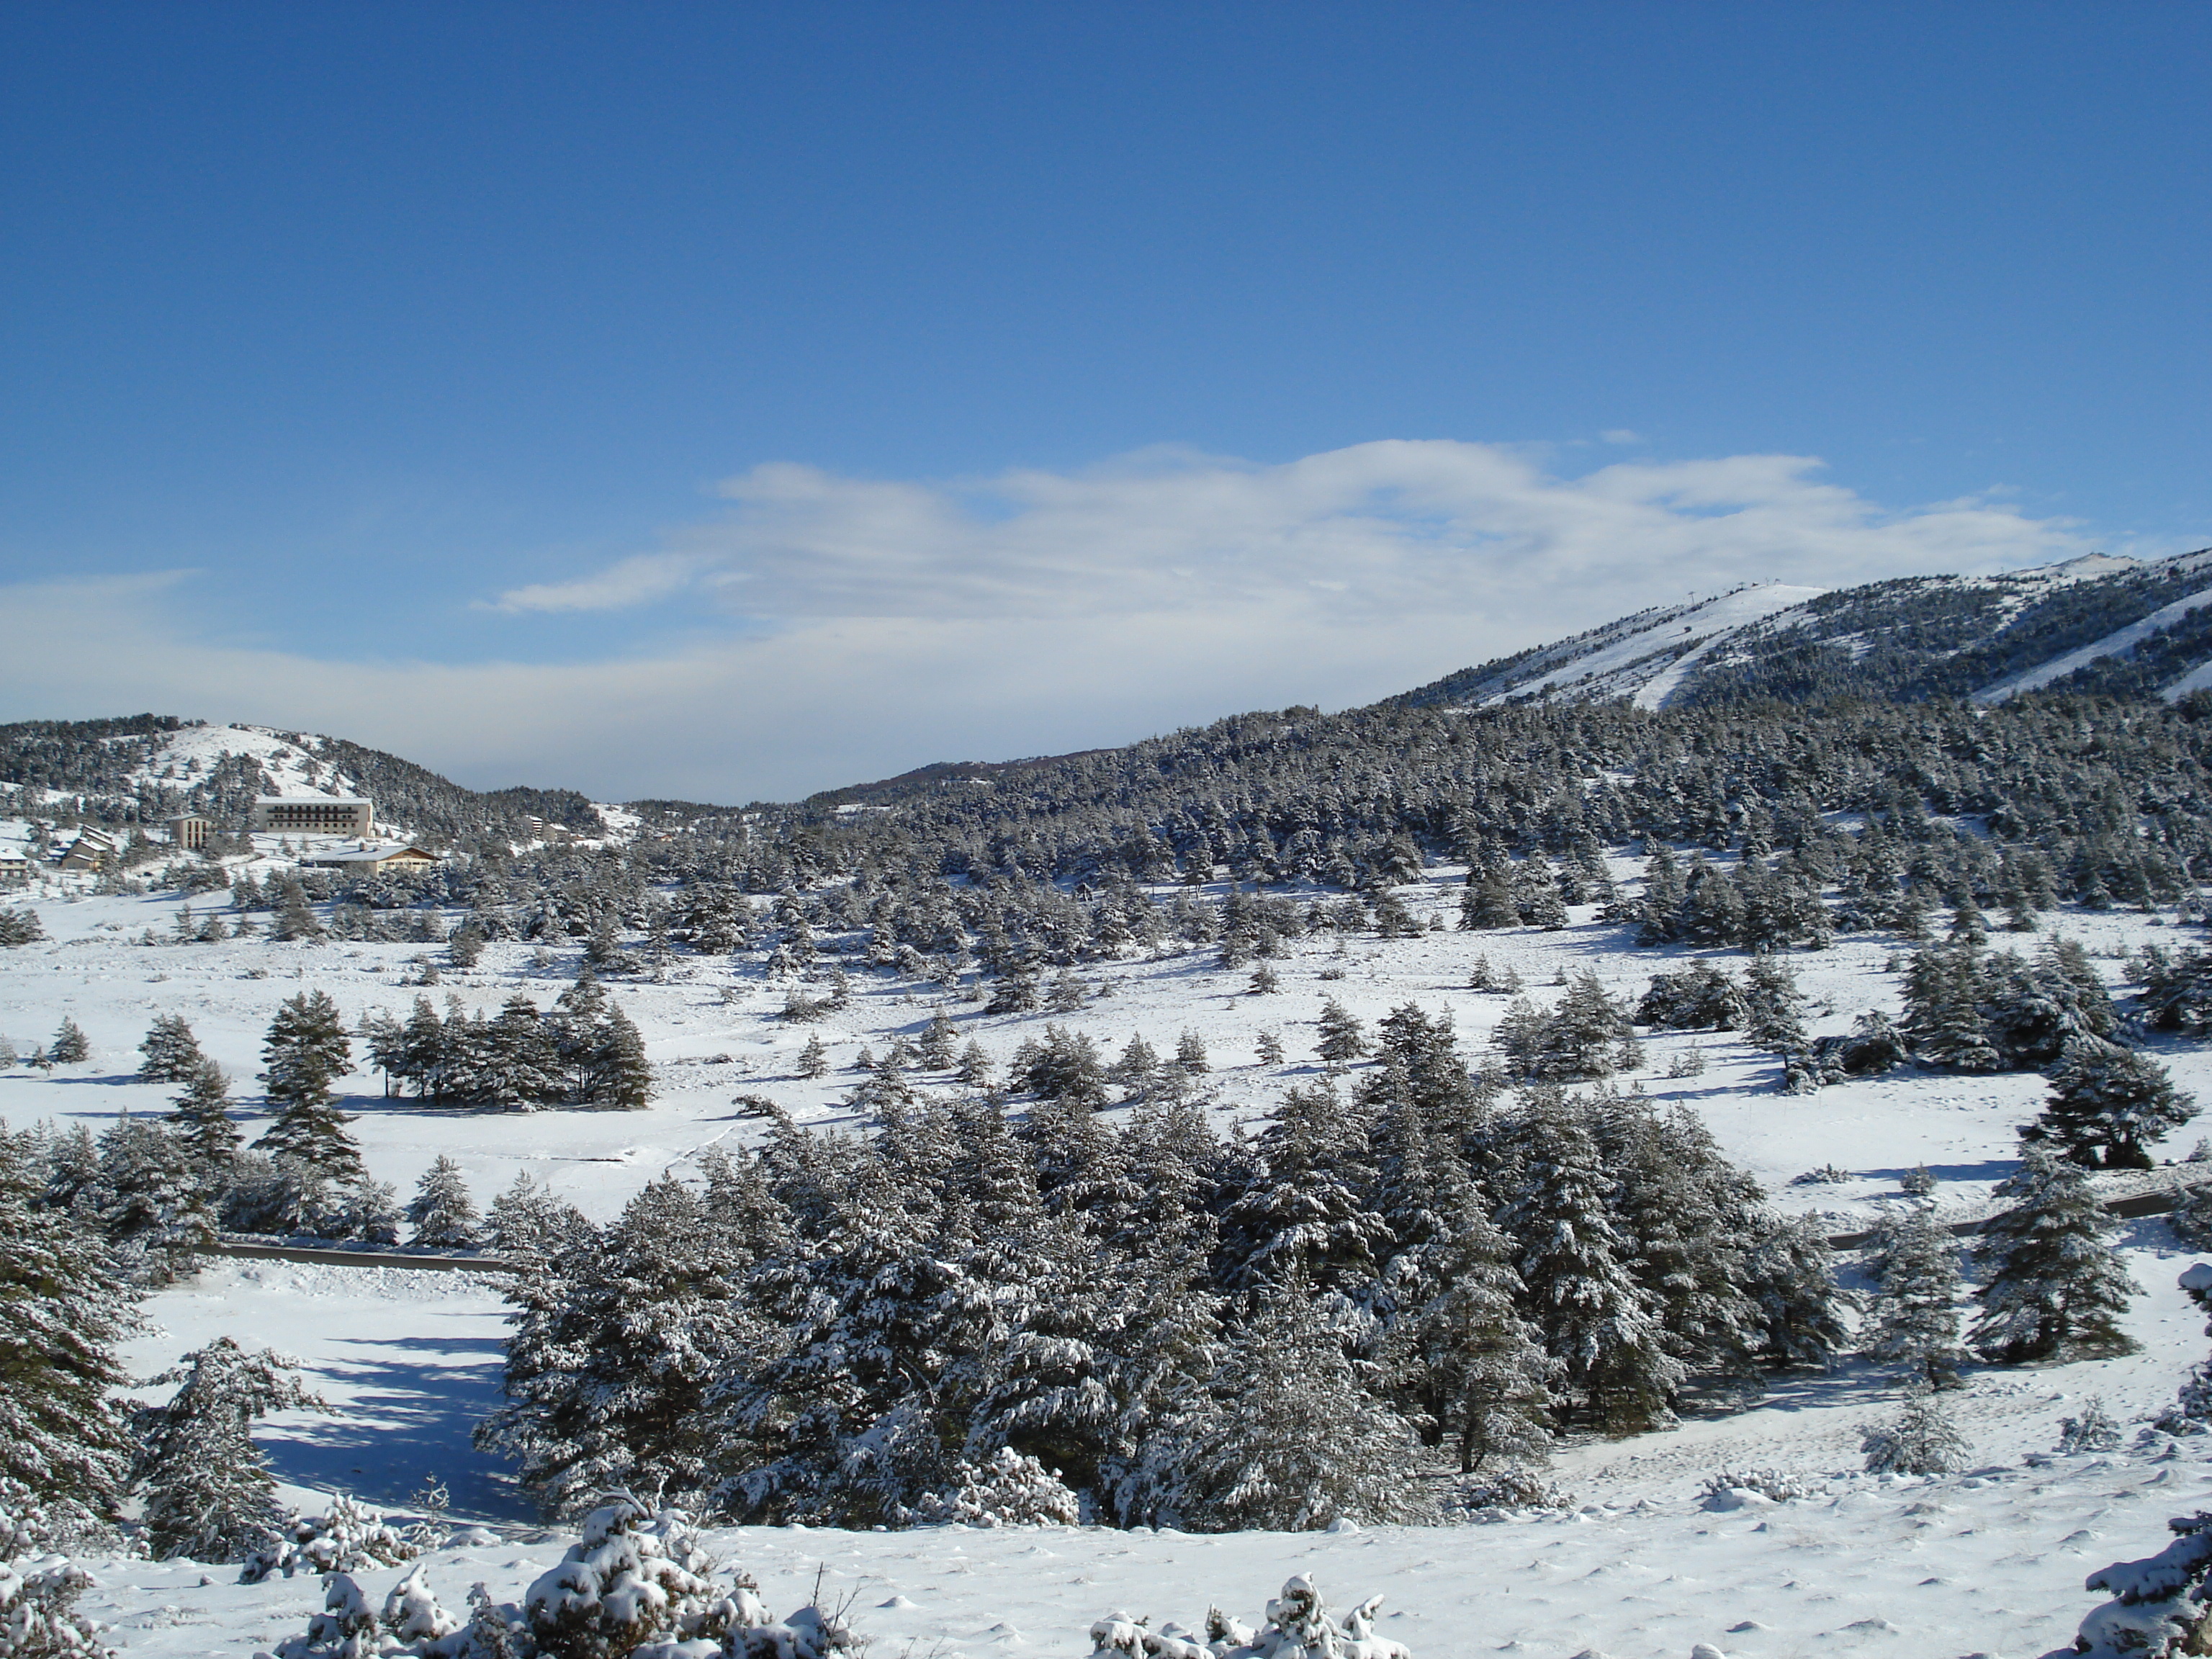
[1647, 656]
[2120, 641]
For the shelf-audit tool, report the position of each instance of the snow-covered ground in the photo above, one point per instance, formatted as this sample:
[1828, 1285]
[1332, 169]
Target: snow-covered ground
[1991, 1563]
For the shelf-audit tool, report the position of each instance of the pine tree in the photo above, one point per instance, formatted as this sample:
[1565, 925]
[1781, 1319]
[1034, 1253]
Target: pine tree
[1305, 1217]
[2106, 1103]
[1488, 903]
[69, 1047]
[1343, 1039]
[1190, 1055]
[975, 1068]
[513, 1063]
[622, 1076]
[1792, 1283]
[1476, 1367]
[940, 1039]
[1920, 1440]
[305, 1051]
[172, 1054]
[208, 1493]
[1288, 1440]
[814, 1058]
[529, 1226]
[1598, 1321]
[2053, 1288]
[153, 1202]
[613, 1349]
[201, 1116]
[295, 919]
[62, 1312]
[443, 1215]
[1913, 1321]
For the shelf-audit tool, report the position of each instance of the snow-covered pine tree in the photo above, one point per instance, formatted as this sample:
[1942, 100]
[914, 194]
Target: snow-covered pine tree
[1772, 1005]
[519, 1064]
[307, 1049]
[2052, 1287]
[1488, 904]
[1921, 1439]
[837, 1425]
[153, 1201]
[1792, 1282]
[1473, 1366]
[1289, 1440]
[63, 1439]
[208, 1492]
[443, 1213]
[1343, 1039]
[172, 1055]
[1190, 1055]
[529, 1226]
[622, 1076]
[814, 1057]
[1598, 1320]
[2107, 1104]
[1687, 1214]
[69, 1046]
[200, 1117]
[1307, 1215]
[1912, 1323]
[613, 1349]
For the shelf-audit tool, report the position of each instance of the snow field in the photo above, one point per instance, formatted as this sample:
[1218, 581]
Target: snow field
[1953, 1566]
[1989, 1563]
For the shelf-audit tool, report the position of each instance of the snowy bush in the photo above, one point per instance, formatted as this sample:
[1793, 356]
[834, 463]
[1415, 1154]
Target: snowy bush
[2092, 1432]
[349, 1537]
[1299, 1626]
[617, 1589]
[2158, 1605]
[1826, 1176]
[1919, 1440]
[346, 1628]
[38, 1614]
[1008, 1490]
[1505, 1489]
[31, 1525]
[1772, 1484]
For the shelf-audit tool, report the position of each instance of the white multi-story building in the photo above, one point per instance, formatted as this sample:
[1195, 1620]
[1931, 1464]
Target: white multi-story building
[314, 815]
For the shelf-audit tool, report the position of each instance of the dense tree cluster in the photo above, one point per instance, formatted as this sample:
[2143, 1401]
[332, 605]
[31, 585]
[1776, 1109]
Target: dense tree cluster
[843, 1331]
[585, 1051]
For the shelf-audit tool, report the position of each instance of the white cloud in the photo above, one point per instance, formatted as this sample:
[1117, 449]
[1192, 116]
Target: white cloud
[1379, 528]
[1027, 613]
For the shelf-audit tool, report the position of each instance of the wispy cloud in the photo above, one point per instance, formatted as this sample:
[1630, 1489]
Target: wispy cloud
[1030, 612]
[1376, 529]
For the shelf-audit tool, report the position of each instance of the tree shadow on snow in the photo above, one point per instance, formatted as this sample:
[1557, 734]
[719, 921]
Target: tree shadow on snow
[414, 1402]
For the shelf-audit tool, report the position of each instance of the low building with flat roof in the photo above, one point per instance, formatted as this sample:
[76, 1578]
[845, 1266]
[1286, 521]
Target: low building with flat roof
[314, 815]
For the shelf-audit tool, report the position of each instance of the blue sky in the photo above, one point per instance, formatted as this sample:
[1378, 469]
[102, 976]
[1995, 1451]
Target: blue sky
[731, 400]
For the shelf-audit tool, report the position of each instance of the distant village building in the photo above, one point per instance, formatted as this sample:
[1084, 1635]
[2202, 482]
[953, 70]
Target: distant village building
[93, 850]
[190, 833]
[15, 867]
[313, 815]
[400, 857]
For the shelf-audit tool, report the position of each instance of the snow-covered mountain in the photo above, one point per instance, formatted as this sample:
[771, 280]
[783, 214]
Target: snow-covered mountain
[2095, 624]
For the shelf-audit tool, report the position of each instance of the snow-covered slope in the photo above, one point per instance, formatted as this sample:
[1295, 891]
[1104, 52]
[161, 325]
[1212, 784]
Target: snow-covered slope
[1987, 636]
